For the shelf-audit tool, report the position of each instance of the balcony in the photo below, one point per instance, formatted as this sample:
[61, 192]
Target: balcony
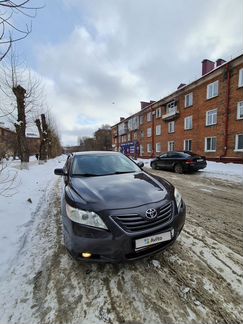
[173, 113]
[123, 131]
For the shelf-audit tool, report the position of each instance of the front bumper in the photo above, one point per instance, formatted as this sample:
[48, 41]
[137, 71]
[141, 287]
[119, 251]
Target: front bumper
[116, 245]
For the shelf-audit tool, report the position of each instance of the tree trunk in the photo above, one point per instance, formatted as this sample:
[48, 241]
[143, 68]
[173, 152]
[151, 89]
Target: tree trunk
[43, 132]
[45, 136]
[20, 125]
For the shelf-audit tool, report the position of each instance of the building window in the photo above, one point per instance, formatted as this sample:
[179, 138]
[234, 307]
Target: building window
[189, 99]
[158, 147]
[158, 113]
[142, 134]
[240, 110]
[188, 145]
[239, 142]
[149, 148]
[171, 127]
[210, 144]
[213, 90]
[211, 117]
[240, 84]
[188, 122]
[149, 132]
[129, 137]
[171, 146]
[141, 119]
[123, 138]
[158, 129]
[141, 150]
[135, 135]
[149, 116]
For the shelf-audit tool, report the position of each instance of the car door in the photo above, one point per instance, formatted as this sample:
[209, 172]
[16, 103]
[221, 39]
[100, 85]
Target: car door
[173, 159]
[163, 161]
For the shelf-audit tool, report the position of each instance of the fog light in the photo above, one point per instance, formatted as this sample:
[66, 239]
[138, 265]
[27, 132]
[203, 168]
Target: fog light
[86, 254]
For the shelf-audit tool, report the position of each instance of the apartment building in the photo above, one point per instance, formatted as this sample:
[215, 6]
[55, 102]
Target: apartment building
[205, 116]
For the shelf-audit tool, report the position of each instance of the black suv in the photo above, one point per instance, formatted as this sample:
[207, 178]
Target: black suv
[179, 162]
[114, 211]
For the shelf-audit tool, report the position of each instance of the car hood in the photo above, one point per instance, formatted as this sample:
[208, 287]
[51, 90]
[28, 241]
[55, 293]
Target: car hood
[117, 191]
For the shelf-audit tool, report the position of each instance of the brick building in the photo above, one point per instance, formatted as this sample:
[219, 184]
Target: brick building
[205, 116]
[8, 143]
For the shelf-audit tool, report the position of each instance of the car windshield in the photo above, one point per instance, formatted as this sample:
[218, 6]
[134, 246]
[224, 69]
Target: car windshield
[102, 164]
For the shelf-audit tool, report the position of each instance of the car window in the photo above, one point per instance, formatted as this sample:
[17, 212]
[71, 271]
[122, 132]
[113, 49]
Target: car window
[163, 155]
[192, 154]
[176, 155]
[97, 165]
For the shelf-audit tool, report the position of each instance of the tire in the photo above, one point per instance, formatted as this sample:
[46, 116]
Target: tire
[153, 166]
[178, 168]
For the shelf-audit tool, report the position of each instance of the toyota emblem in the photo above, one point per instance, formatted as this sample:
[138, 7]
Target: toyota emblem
[151, 213]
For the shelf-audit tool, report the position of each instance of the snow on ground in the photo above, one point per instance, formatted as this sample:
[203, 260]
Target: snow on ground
[225, 171]
[20, 202]
[198, 280]
[18, 205]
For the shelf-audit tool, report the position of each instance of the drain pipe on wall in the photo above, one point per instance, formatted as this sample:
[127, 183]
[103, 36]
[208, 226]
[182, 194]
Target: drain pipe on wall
[153, 137]
[226, 112]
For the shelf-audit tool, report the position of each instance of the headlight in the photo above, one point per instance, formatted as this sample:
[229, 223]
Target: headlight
[177, 198]
[84, 217]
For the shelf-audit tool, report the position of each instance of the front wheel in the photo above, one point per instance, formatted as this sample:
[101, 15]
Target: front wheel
[178, 168]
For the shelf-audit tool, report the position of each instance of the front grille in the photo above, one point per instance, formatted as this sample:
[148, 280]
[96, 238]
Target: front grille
[136, 223]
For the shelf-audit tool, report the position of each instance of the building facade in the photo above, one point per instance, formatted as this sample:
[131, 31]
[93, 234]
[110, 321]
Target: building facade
[9, 146]
[205, 116]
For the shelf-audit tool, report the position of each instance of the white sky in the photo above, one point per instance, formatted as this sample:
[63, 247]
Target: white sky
[100, 58]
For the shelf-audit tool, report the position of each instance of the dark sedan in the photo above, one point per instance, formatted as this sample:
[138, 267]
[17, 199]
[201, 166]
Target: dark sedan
[179, 162]
[114, 211]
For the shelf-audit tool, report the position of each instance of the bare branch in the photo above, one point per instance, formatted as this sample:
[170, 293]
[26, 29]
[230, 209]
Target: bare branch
[8, 26]
[7, 180]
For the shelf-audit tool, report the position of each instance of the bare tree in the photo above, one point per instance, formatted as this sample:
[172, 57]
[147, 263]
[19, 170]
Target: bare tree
[23, 96]
[87, 143]
[10, 32]
[54, 142]
[50, 144]
[7, 180]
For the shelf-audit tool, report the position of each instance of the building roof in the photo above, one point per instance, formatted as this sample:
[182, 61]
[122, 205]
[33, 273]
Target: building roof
[178, 90]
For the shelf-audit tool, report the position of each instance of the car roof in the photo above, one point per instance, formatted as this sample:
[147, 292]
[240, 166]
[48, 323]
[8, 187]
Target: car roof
[187, 152]
[95, 153]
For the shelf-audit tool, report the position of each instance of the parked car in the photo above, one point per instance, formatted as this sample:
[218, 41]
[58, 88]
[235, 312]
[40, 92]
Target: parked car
[114, 211]
[179, 162]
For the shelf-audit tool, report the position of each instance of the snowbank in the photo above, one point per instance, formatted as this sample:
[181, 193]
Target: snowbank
[18, 205]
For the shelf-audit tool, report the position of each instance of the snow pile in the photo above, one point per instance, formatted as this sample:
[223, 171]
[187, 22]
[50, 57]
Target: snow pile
[18, 205]
[226, 171]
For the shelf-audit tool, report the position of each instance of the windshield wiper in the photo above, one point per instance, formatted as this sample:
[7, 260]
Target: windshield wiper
[86, 175]
[121, 172]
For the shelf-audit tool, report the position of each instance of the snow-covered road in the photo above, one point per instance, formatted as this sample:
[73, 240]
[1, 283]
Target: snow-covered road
[198, 280]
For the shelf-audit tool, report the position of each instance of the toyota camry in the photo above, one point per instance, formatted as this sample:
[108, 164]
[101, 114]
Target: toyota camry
[113, 211]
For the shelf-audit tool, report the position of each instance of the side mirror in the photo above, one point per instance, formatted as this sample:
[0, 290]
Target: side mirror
[140, 164]
[60, 172]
